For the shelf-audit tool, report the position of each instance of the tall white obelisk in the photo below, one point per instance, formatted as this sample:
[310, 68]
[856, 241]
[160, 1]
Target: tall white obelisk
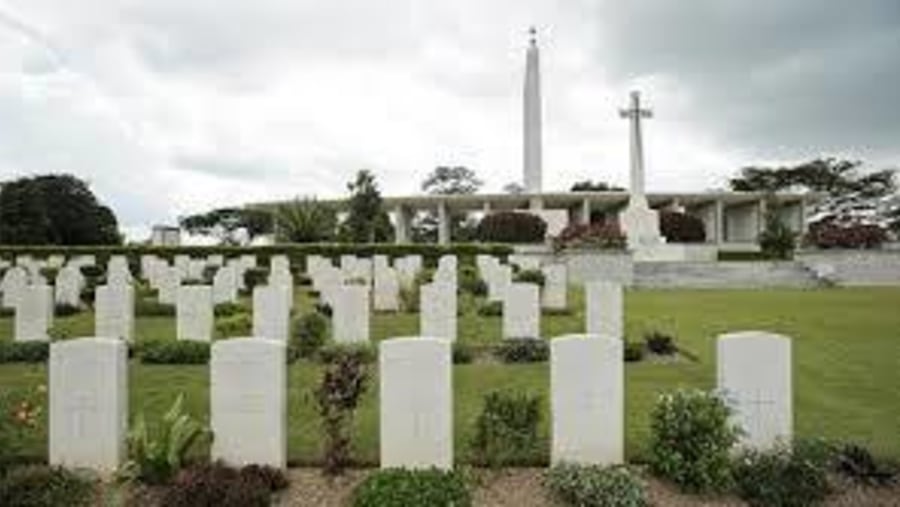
[532, 119]
[639, 222]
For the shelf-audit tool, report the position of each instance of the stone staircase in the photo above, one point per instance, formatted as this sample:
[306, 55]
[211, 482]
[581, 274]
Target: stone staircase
[724, 275]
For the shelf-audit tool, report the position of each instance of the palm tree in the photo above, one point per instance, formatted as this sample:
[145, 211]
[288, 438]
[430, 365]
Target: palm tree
[305, 221]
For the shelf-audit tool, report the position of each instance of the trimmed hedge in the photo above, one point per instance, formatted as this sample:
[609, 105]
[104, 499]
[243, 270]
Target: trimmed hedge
[173, 352]
[512, 227]
[24, 352]
[412, 488]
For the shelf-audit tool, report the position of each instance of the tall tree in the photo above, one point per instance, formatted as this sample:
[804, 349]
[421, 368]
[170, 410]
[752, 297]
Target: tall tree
[55, 209]
[232, 226]
[366, 220]
[305, 221]
[445, 180]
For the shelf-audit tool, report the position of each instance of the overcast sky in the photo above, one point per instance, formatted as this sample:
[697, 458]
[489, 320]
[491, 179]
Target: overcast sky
[171, 106]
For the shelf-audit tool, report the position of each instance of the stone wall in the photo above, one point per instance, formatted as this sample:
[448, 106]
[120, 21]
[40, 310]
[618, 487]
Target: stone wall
[854, 267]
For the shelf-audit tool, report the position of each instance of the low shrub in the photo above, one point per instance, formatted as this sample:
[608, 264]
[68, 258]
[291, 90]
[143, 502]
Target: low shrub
[679, 227]
[309, 335]
[324, 309]
[777, 240]
[64, 310]
[229, 309]
[412, 488]
[173, 352]
[604, 235]
[44, 486]
[239, 324]
[254, 277]
[20, 412]
[7, 312]
[511, 227]
[633, 352]
[217, 484]
[691, 439]
[660, 343]
[153, 308]
[834, 235]
[490, 309]
[462, 353]
[155, 457]
[273, 478]
[470, 281]
[857, 463]
[92, 272]
[362, 351]
[506, 430]
[596, 486]
[559, 312]
[409, 298]
[788, 477]
[523, 350]
[535, 276]
[344, 380]
[24, 352]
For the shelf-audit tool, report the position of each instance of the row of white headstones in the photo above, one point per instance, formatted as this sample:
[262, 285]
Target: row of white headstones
[347, 289]
[248, 400]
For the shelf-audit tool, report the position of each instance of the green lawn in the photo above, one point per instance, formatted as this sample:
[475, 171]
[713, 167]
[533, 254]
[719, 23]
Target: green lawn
[846, 364]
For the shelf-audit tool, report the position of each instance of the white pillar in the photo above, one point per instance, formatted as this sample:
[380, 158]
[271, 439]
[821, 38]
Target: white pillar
[532, 119]
[586, 211]
[401, 225]
[720, 222]
[443, 224]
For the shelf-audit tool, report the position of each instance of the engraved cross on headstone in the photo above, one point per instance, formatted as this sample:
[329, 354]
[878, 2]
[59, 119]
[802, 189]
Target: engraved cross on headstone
[634, 113]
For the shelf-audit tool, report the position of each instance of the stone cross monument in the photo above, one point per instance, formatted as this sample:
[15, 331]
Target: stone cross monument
[639, 221]
[532, 118]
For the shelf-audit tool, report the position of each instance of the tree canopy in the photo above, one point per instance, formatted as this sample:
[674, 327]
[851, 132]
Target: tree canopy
[226, 223]
[445, 180]
[832, 176]
[54, 209]
[594, 186]
[366, 221]
[305, 221]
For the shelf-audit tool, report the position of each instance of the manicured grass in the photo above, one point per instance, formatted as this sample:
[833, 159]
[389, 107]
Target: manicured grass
[846, 364]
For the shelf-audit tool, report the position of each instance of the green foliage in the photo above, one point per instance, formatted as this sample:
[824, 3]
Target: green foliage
[343, 383]
[173, 352]
[857, 463]
[24, 352]
[777, 240]
[594, 186]
[20, 411]
[220, 485]
[470, 281]
[366, 221]
[602, 235]
[633, 352]
[535, 276]
[310, 332]
[44, 486]
[153, 308]
[523, 350]
[155, 457]
[506, 430]
[462, 353]
[54, 210]
[239, 324]
[784, 477]
[512, 227]
[456, 180]
[413, 488]
[679, 227]
[660, 343]
[229, 309]
[362, 352]
[254, 277]
[227, 221]
[64, 310]
[490, 308]
[305, 221]
[690, 440]
[829, 175]
[596, 486]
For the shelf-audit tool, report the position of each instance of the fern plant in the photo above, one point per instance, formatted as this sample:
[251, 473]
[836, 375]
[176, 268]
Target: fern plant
[156, 458]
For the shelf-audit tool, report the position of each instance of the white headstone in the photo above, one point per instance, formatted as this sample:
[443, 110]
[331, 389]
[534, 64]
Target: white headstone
[169, 283]
[117, 271]
[754, 373]
[447, 270]
[196, 268]
[114, 311]
[387, 290]
[605, 309]
[225, 287]
[407, 269]
[34, 313]
[272, 312]
[555, 291]
[416, 398]
[350, 314]
[522, 311]
[525, 262]
[498, 281]
[88, 403]
[248, 401]
[194, 313]
[15, 280]
[587, 382]
[437, 310]
[69, 283]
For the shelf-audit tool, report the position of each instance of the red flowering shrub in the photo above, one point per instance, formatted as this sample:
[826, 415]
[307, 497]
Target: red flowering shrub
[832, 235]
[512, 227]
[600, 235]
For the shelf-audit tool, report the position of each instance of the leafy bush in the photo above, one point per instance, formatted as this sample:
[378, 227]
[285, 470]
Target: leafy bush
[834, 235]
[462, 353]
[24, 352]
[273, 478]
[681, 228]
[412, 488]
[362, 352]
[857, 463]
[324, 309]
[92, 272]
[470, 281]
[44, 486]
[64, 310]
[535, 276]
[523, 350]
[220, 485]
[7, 312]
[777, 240]
[690, 440]
[506, 430]
[153, 308]
[239, 324]
[606, 235]
[254, 277]
[633, 352]
[409, 298]
[156, 458]
[490, 308]
[20, 411]
[309, 335]
[596, 486]
[512, 227]
[784, 477]
[660, 343]
[173, 352]
[343, 383]
[229, 309]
